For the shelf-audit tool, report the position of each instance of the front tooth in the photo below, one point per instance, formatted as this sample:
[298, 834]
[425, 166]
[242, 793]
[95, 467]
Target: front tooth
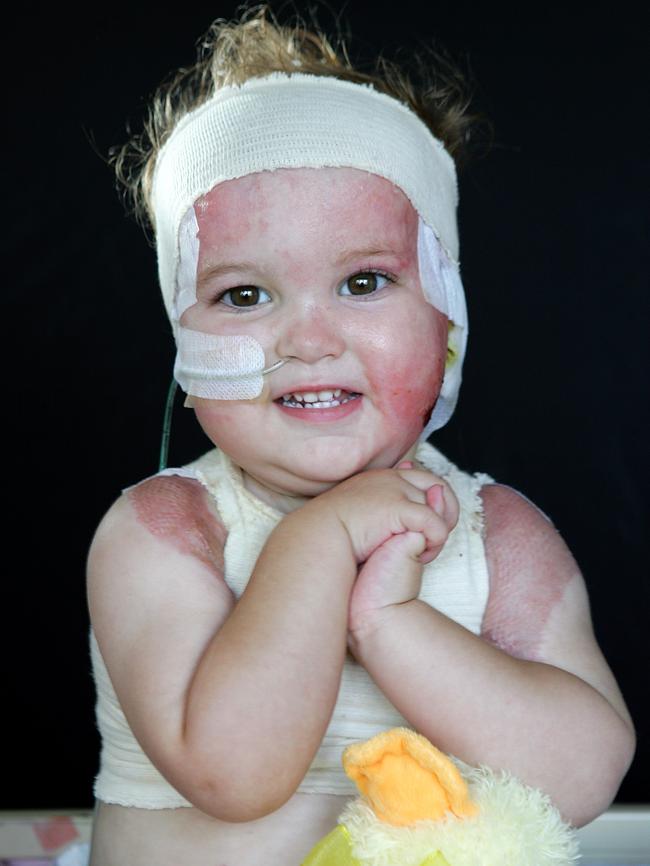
[314, 396]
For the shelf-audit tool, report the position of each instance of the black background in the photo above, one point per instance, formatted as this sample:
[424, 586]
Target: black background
[554, 261]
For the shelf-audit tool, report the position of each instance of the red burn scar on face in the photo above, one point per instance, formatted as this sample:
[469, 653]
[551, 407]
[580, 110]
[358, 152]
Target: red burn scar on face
[530, 569]
[176, 510]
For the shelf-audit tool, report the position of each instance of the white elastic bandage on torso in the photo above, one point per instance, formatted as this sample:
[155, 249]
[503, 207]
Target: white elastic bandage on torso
[306, 121]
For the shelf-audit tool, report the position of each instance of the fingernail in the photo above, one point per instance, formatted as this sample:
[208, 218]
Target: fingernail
[405, 464]
[436, 499]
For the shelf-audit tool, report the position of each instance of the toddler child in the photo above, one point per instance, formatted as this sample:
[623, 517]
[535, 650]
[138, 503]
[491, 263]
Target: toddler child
[323, 573]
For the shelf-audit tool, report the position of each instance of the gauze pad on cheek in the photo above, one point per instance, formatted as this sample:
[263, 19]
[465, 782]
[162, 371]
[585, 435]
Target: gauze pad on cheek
[217, 367]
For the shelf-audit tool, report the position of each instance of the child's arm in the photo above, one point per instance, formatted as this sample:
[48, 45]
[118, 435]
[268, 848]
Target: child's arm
[533, 695]
[230, 700]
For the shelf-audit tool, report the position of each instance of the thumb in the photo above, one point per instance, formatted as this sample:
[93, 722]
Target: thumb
[406, 544]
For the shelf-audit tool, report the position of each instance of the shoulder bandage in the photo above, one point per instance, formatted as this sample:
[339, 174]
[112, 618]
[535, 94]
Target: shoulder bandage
[307, 121]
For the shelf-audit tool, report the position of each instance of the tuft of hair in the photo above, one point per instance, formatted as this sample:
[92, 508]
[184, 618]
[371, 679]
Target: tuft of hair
[257, 44]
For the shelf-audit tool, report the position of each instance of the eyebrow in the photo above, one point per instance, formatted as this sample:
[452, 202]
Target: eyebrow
[227, 268]
[362, 253]
[241, 267]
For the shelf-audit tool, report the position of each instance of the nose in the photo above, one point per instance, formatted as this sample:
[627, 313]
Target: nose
[309, 334]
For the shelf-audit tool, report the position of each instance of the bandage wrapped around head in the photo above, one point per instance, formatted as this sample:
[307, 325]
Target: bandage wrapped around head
[300, 121]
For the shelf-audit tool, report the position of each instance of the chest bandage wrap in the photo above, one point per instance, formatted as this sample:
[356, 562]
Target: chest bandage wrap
[301, 121]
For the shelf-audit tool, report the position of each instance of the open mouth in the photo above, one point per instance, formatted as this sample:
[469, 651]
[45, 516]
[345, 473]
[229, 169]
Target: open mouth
[325, 399]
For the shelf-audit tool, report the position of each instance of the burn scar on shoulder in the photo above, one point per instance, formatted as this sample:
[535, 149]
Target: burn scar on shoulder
[530, 569]
[176, 510]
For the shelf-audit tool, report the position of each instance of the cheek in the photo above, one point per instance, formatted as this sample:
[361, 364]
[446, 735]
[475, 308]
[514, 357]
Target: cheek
[226, 423]
[214, 416]
[407, 376]
[409, 394]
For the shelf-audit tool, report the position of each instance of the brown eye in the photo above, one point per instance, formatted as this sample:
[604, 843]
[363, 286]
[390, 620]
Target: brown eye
[244, 296]
[363, 284]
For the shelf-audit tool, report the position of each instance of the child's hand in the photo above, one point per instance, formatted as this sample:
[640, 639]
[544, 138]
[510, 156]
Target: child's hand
[392, 574]
[376, 505]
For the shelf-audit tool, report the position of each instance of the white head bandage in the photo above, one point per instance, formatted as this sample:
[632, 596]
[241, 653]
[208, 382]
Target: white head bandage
[306, 121]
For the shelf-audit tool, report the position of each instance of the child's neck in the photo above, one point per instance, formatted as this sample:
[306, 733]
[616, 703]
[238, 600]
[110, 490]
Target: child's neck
[283, 502]
[288, 502]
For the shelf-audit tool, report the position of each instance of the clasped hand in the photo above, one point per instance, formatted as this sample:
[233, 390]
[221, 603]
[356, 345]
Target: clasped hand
[397, 520]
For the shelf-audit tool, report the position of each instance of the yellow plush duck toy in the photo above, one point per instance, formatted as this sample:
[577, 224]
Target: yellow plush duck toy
[419, 808]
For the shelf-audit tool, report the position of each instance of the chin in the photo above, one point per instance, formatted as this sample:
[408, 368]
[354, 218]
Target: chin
[335, 461]
[313, 482]
[315, 476]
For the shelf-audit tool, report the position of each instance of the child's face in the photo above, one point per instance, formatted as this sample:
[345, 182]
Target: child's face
[294, 239]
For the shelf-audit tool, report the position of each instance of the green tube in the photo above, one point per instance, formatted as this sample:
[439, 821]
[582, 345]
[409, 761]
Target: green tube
[167, 426]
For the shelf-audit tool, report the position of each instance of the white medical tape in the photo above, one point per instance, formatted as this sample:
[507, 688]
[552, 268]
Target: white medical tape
[443, 288]
[188, 262]
[220, 367]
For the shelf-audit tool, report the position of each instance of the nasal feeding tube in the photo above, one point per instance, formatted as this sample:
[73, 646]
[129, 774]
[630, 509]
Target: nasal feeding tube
[209, 374]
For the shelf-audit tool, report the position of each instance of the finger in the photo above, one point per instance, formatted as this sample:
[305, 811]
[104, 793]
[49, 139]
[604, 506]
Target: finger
[437, 493]
[443, 501]
[411, 544]
[420, 517]
[452, 507]
[420, 478]
[436, 499]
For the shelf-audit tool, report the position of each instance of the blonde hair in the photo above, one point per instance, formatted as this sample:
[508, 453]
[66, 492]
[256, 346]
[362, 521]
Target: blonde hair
[255, 45]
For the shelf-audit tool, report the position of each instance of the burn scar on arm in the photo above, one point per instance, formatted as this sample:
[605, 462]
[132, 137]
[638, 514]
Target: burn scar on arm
[178, 511]
[530, 570]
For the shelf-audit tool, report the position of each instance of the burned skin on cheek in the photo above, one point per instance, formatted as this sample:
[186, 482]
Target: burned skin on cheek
[407, 405]
[176, 510]
[406, 367]
[408, 394]
[530, 570]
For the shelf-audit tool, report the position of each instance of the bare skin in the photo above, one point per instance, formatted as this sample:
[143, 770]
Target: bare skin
[170, 837]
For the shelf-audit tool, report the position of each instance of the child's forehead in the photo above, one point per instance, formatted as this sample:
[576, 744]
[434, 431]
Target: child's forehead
[345, 194]
[340, 200]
